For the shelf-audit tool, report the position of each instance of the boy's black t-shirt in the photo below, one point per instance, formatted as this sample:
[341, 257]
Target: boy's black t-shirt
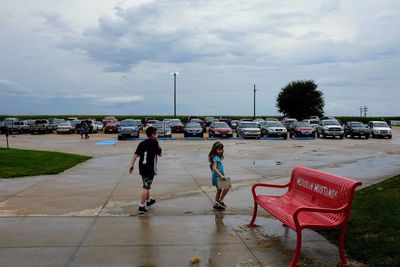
[148, 150]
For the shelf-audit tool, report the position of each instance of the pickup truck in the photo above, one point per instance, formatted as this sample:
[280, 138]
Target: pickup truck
[20, 127]
[41, 126]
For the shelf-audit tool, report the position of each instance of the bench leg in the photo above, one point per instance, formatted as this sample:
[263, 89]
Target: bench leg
[254, 215]
[341, 247]
[296, 256]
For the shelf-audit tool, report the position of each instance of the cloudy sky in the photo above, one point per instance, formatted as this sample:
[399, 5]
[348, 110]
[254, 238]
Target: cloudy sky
[116, 57]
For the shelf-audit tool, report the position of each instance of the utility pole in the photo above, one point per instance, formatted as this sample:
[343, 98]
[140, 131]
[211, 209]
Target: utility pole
[254, 116]
[361, 111]
[175, 73]
[365, 111]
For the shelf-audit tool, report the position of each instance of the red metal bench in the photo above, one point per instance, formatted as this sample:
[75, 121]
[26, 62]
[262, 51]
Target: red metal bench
[315, 200]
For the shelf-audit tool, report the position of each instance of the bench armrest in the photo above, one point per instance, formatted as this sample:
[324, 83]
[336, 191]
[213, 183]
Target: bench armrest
[309, 209]
[253, 189]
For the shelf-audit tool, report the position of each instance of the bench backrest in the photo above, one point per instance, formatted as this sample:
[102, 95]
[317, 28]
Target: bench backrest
[322, 189]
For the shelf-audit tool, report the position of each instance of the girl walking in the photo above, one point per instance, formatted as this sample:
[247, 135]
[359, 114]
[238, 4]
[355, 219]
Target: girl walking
[215, 158]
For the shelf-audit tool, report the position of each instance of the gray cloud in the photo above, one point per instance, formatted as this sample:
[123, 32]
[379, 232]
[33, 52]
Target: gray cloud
[10, 88]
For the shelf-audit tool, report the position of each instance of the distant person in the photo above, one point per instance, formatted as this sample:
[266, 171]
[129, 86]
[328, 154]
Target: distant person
[85, 130]
[147, 152]
[215, 158]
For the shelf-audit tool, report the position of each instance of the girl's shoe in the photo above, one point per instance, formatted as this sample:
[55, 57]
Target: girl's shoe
[221, 203]
[218, 207]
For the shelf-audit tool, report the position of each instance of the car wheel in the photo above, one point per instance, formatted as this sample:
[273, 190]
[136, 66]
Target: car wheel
[367, 136]
[390, 137]
[342, 136]
[120, 138]
[352, 136]
[373, 135]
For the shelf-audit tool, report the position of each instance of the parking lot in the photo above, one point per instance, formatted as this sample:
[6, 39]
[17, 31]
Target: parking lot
[77, 216]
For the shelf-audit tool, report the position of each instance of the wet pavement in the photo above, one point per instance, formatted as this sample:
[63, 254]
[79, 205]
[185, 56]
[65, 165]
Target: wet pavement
[87, 216]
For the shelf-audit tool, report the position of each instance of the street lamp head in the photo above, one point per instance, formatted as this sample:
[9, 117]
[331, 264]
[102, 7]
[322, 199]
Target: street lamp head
[174, 73]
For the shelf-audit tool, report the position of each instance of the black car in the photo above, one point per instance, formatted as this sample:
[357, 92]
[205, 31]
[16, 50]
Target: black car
[193, 129]
[209, 120]
[3, 128]
[356, 128]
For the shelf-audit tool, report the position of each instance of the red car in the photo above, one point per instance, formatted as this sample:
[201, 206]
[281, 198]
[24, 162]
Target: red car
[300, 128]
[177, 126]
[220, 128]
[111, 127]
[109, 119]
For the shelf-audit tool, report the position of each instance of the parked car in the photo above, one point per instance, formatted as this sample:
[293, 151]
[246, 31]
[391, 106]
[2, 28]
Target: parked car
[126, 129]
[93, 128]
[246, 119]
[109, 119]
[380, 129]
[314, 118]
[271, 119]
[111, 127]
[41, 126]
[193, 129]
[287, 122]
[66, 127]
[20, 127]
[234, 124]
[300, 128]
[219, 128]
[139, 123]
[100, 125]
[249, 129]
[259, 120]
[163, 129]
[209, 120]
[313, 123]
[356, 128]
[150, 123]
[147, 119]
[191, 117]
[55, 122]
[10, 121]
[177, 126]
[330, 128]
[226, 119]
[202, 123]
[274, 129]
[74, 123]
[72, 119]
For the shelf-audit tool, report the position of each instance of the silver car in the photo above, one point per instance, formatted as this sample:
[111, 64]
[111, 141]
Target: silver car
[66, 127]
[330, 127]
[128, 129]
[249, 129]
[163, 129]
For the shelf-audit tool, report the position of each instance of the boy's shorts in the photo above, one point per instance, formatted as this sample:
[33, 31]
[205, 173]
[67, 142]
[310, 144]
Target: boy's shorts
[147, 181]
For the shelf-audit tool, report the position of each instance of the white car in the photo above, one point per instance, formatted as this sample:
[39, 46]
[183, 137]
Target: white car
[312, 122]
[380, 129]
[100, 125]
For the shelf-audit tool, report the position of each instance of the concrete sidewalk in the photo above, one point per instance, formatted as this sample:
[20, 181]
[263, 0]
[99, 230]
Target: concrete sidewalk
[218, 240]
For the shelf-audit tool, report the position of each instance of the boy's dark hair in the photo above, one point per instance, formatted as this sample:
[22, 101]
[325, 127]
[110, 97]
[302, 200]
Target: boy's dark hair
[150, 131]
[213, 151]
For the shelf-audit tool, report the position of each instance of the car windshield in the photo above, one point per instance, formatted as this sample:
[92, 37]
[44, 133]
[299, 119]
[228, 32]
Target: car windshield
[193, 125]
[221, 125]
[127, 123]
[331, 123]
[274, 124]
[290, 120]
[249, 125]
[40, 121]
[65, 124]
[73, 123]
[313, 122]
[161, 124]
[380, 124]
[357, 124]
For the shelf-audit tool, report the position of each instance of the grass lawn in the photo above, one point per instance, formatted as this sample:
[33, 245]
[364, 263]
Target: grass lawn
[373, 235]
[18, 162]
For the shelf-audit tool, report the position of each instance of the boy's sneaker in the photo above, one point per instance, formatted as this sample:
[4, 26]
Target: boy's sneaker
[143, 210]
[218, 207]
[151, 202]
[222, 204]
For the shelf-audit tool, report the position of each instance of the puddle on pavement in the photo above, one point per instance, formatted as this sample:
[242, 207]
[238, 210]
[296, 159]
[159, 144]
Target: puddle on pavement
[370, 169]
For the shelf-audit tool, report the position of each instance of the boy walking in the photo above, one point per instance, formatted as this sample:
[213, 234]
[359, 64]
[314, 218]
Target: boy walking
[147, 152]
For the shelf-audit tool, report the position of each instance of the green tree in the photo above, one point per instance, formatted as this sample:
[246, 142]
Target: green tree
[300, 100]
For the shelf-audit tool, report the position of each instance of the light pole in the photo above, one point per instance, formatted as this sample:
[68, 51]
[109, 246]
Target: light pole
[174, 73]
[254, 116]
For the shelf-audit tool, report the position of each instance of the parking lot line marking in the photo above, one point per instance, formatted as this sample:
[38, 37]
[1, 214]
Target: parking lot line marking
[106, 142]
